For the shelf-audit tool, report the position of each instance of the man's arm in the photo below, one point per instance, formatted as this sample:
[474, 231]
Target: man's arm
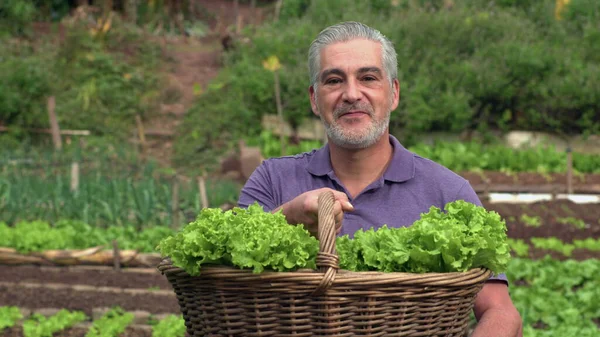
[496, 315]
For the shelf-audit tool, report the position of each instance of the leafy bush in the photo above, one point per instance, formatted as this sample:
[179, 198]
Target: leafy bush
[101, 80]
[25, 84]
[15, 16]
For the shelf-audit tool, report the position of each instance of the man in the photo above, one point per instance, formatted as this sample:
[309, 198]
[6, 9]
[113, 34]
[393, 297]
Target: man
[375, 180]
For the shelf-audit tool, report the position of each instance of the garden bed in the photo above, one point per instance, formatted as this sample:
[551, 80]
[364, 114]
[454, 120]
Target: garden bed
[532, 182]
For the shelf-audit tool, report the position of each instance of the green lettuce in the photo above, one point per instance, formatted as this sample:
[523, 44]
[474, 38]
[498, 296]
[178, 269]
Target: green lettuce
[463, 237]
[246, 238]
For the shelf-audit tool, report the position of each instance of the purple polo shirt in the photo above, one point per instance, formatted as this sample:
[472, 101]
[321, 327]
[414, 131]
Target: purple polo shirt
[410, 185]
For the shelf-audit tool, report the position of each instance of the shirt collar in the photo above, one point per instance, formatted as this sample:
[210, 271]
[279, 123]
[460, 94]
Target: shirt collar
[401, 168]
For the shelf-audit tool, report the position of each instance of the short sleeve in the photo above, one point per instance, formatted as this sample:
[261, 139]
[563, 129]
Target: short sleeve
[468, 194]
[259, 189]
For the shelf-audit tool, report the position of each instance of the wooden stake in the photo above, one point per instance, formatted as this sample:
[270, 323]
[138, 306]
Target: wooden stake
[279, 112]
[202, 189]
[486, 191]
[278, 9]
[116, 256]
[141, 134]
[569, 171]
[131, 10]
[236, 11]
[54, 123]
[74, 176]
[239, 24]
[175, 204]
[49, 131]
[253, 11]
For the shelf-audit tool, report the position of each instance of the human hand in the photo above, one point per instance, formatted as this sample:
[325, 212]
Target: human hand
[304, 209]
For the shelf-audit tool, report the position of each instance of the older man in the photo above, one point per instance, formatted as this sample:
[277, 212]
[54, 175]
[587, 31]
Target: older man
[375, 180]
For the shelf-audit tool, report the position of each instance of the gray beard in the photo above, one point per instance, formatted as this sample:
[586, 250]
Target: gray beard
[348, 140]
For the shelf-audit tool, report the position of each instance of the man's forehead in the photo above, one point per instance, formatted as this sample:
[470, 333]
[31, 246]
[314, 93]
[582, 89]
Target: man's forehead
[356, 53]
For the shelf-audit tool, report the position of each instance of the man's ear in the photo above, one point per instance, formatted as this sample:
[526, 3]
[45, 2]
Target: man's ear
[396, 93]
[313, 101]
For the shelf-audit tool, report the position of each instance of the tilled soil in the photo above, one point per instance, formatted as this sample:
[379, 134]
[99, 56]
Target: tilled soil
[97, 276]
[557, 218]
[582, 183]
[86, 301]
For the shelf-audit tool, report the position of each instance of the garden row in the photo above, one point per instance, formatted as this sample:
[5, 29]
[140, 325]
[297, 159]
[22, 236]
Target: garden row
[559, 226]
[107, 187]
[114, 322]
[555, 298]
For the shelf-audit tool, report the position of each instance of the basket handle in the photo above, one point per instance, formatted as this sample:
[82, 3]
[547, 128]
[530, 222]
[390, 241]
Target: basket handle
[327, 259]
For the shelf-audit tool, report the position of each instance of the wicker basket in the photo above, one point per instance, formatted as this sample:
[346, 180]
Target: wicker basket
[225, 301]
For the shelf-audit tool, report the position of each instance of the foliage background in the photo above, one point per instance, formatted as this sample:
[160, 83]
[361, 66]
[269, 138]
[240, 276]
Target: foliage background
[479, 65]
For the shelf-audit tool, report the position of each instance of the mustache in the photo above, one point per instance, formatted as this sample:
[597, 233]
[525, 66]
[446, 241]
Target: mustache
[340, 110]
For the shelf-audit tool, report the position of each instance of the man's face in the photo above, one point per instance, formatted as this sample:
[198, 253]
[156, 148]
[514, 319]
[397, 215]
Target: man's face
[354, 97]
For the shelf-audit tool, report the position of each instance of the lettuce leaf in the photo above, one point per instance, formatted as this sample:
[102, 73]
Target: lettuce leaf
[246, 238]
[463, 237]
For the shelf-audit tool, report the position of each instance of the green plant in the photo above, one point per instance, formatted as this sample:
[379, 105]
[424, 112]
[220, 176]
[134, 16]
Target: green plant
[465, 237]
[113, 189]
[16, 16]
[518, 246]
[577, 223]
[9, 316]
[40, 326]
[531, 221]
[36, 236]
[560, 295]
[112, 323]
[270, 145]
[553, 244]
[247, 238]
[100, 82]
[170, 326]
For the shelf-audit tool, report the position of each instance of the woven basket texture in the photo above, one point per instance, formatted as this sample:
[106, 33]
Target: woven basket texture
[225, 301]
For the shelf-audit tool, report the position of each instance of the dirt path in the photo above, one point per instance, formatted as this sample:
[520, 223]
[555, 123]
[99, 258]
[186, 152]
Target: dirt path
[195, 62]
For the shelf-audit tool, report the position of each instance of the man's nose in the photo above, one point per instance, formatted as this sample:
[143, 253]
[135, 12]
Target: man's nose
[352, 92]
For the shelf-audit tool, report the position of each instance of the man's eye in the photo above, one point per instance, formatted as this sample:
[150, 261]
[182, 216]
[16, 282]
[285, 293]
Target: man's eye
[333, 81]
[369, 78]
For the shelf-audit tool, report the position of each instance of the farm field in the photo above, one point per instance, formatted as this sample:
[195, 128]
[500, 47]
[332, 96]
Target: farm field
[554, 237]
[90, 288]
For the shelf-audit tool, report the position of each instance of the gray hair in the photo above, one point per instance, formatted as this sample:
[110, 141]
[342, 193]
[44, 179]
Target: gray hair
[347, 31]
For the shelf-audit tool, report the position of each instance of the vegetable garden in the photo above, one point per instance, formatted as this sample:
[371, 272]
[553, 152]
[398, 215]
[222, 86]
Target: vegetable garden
[83, 227]
[554, 270]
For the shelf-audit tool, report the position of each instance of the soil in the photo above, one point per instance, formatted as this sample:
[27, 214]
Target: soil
[584, 182]
[97, 277]
[556, 219]
[195, 62]
[86, 301]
